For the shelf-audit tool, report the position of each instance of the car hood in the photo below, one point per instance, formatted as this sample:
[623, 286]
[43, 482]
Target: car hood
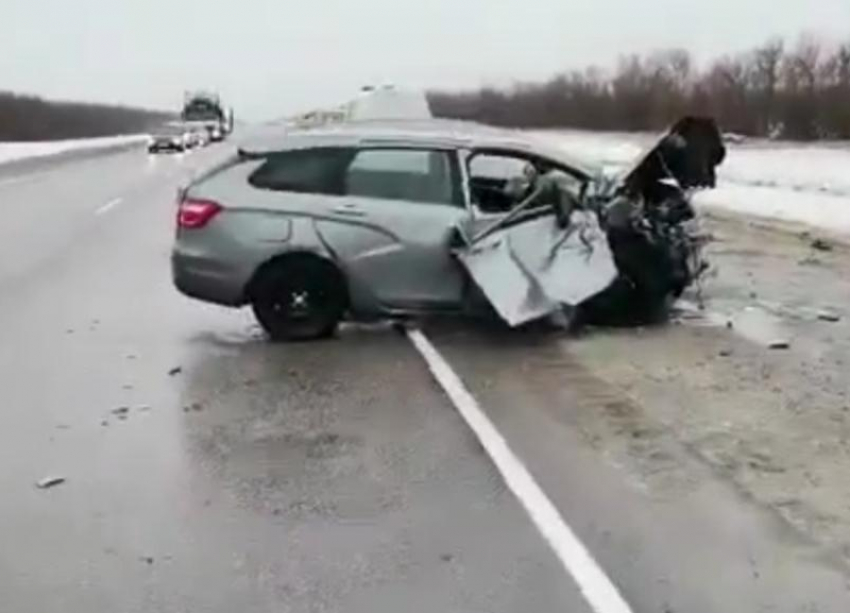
[688, 152]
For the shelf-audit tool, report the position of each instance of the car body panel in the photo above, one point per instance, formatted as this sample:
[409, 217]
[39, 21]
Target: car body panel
[400, 248]
[534, 268]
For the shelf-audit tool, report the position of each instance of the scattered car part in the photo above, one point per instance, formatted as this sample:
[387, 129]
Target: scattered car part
[49, 482]
[820, 244]
[779, 344]
[829, 316]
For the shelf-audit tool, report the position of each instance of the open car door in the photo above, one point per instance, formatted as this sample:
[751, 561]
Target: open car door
[532, 262]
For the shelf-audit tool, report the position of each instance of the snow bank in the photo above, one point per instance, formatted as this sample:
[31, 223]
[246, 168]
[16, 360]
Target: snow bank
[802, 168]
[15, 151]
[807, 184]
[820, 210]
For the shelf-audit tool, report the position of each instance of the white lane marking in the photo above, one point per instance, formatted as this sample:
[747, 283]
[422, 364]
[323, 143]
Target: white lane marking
[109, 205]
[599, 591]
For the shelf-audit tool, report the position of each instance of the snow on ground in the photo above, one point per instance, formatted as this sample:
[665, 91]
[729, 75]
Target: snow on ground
[807, 184]
[15, 151]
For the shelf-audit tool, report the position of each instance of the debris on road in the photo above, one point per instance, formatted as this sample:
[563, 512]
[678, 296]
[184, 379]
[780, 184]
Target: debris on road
[725, 353]
[175, 371]
[820, 244]
[147, 560]
[829, 316]
[121, 411]
[49, 482]
[810, 261]
[194, 407]
[779, 344]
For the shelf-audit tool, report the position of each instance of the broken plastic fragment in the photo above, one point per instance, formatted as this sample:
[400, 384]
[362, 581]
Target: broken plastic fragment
[49, 482]
[829, 316]
[821, 245]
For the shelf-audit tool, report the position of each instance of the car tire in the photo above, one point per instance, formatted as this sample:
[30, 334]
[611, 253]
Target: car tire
[299, 298]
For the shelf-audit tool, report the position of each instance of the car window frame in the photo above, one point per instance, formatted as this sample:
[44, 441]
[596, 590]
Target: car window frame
[468, 154]
[458, 199]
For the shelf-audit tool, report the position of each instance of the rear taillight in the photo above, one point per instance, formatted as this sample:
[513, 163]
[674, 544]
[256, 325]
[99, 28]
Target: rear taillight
[193, 214]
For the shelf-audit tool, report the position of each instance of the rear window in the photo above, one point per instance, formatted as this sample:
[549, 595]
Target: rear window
[310, 171]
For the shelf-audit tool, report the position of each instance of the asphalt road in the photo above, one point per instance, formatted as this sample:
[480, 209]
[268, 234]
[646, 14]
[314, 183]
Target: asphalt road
[208, 470]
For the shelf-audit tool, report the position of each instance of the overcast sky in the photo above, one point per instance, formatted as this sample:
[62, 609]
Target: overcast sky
[269, 58]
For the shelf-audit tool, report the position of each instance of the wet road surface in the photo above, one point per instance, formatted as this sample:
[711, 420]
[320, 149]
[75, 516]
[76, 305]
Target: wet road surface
[314, 477]
[208, 470]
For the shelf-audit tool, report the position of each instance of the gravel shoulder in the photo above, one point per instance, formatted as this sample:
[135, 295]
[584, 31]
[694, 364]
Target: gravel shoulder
[774, 422]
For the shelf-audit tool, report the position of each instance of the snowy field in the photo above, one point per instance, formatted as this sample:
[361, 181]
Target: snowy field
[14, 151]
[807, 184]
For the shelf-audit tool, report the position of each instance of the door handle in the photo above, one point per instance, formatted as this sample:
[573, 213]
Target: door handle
[349, 210]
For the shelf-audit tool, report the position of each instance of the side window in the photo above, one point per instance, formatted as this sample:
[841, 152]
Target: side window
[500, 181]
[312, 171]
[415, 175]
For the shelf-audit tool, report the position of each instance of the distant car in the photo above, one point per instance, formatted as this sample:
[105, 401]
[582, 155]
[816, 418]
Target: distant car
[379, 220]
[169, 138]
[216, 134]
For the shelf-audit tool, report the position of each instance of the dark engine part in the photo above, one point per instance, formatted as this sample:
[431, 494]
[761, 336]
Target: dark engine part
[656, 254]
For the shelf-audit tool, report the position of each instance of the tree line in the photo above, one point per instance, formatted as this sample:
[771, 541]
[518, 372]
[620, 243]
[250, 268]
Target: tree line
[799, 92]
[29, 118]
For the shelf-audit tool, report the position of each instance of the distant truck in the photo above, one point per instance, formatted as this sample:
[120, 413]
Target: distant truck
[205, 109]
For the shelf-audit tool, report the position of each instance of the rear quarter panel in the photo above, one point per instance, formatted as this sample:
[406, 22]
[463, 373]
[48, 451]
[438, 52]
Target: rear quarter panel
[255, 227]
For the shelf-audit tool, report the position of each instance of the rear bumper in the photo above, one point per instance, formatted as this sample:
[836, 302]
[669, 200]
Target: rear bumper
[207, 280]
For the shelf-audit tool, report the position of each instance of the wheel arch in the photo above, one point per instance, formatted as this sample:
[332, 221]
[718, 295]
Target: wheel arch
[288, 257]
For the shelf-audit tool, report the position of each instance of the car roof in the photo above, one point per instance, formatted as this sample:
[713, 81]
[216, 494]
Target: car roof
[431, 133]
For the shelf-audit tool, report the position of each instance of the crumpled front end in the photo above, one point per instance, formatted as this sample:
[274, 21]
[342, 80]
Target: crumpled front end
[623, 250]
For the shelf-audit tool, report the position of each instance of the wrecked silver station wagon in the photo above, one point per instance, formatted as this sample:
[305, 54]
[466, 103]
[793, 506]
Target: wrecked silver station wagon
[378, 220]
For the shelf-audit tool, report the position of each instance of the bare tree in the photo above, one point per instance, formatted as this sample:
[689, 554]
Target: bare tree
[835, 93]
[803, 93]
[767, 61]
[26, 118]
